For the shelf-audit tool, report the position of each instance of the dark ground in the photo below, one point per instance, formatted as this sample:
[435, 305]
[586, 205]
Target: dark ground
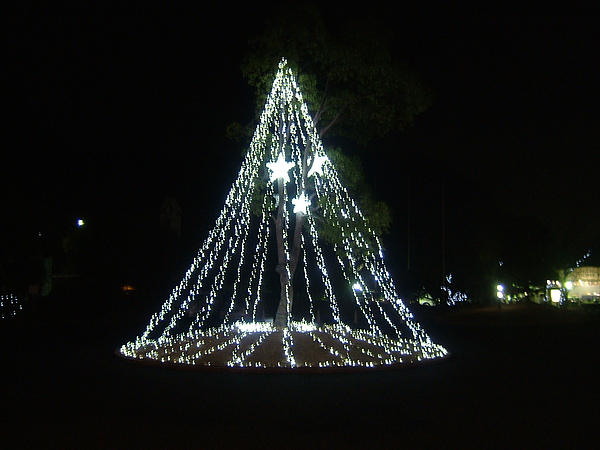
[521, 377]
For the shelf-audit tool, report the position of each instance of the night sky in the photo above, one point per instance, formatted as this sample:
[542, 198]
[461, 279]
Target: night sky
[115, 105]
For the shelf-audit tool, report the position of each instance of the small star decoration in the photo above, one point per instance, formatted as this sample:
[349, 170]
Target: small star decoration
[301, 204]
[280, 168]
[317, 165]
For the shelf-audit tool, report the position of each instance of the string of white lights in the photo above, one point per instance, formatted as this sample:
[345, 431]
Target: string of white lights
[335, 353]
[288, 344]
[307, 279]
[256, 277]
[329, 292]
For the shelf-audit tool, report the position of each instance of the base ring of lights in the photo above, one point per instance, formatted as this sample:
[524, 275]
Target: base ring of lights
[299, 347]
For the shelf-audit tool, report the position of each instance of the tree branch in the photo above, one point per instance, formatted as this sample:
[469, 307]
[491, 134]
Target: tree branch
[333, 121]
[322, 105]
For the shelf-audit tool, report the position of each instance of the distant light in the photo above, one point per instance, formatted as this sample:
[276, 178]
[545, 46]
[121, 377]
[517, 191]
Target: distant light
[80, 222]
[569, 285]
[500, 291]
[357, 287]
[555, 295]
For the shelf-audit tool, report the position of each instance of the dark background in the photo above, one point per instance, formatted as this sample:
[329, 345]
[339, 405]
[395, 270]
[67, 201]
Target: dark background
[519, 377]
[112, 106]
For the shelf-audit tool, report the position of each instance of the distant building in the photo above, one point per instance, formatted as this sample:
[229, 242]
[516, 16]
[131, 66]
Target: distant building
[583, 284]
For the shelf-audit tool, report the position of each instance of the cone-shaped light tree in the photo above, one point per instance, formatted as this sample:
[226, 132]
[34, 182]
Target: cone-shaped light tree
[268, 288]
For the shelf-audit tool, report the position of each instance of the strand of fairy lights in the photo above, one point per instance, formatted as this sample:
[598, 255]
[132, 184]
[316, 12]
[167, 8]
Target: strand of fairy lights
[258, 269]
[210, 258]
[341, 336]
[239, 357]
[312, 300]
[306, 278]
[341, 205]
[380, 274]
[226, 218]
[329, 292]
[288, 345]
[259, 142]
[333, 351]
[241, 246]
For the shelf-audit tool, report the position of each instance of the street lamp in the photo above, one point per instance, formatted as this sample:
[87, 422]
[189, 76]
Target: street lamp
[500, 291]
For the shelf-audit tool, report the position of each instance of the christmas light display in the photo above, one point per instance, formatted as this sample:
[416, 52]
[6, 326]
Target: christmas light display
[10, 306]
[453, 298]
[266, 290]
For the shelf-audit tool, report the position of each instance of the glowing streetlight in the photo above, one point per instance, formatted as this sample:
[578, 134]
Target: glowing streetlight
[500, 291]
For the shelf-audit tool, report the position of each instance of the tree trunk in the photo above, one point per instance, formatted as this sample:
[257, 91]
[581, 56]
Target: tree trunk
[287, 269]
[281, 317]
[295, 256]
